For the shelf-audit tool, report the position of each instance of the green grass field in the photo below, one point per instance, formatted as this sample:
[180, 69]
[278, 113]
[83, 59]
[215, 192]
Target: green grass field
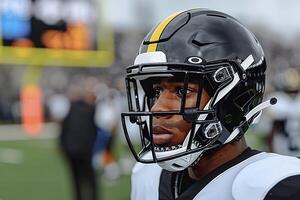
[35, 170]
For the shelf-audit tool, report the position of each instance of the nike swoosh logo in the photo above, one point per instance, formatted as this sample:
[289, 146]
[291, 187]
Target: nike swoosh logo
[201, 44]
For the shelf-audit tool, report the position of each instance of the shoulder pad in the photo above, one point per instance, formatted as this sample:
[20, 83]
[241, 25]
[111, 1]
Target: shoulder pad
[142, 168]
[145, 181]
[255, 180]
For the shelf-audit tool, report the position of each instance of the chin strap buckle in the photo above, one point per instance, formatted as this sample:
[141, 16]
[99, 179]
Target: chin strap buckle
[223, 74]
[213, 130]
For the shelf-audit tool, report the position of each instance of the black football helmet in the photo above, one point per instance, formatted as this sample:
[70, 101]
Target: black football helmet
[226, 60]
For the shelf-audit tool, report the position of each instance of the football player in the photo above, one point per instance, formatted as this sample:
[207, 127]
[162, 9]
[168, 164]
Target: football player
[284, 129]
[196, 86]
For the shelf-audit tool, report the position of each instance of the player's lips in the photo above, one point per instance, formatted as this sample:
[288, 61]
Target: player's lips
[161, 135]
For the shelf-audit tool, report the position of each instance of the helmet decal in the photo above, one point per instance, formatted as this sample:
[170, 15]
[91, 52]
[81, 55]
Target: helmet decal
[151, 57]
[158, 31]
[195, 60]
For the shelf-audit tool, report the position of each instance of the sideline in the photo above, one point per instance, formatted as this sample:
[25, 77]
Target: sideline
[13, 132]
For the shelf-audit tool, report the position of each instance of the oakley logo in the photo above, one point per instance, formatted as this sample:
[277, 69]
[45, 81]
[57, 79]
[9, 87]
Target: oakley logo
[195, 60]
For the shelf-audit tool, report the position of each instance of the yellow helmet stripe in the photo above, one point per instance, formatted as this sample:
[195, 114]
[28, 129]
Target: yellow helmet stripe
[158, 31]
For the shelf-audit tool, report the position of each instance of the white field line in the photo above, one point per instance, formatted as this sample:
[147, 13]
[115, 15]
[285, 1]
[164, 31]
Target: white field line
[11, 156]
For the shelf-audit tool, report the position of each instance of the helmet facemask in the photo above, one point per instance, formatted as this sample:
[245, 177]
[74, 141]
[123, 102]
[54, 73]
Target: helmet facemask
[205, 127]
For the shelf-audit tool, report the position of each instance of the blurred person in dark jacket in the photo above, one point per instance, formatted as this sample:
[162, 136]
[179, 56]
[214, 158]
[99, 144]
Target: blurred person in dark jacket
[77, 139]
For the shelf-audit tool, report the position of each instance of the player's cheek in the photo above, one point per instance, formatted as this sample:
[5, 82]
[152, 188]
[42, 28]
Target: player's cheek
[191, 101]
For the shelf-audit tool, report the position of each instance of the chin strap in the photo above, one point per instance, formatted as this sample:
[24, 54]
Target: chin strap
[244, 125]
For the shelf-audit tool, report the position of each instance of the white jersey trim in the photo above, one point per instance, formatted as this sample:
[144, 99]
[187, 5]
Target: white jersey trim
[258, 178]
[145, 181]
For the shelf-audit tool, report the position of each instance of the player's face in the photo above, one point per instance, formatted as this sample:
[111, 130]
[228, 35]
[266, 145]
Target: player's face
[170, 130]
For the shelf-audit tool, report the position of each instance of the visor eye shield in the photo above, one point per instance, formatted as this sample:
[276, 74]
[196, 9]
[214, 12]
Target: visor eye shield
[142, 82]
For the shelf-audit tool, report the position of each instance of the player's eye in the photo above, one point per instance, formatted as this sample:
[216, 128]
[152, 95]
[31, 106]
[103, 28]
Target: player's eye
[180, 91]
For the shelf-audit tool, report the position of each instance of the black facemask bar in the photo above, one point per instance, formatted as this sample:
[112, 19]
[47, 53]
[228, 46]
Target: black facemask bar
[145, 134]
[139, 103]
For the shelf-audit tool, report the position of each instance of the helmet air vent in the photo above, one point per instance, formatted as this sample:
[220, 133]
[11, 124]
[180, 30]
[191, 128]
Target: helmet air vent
[216, 15]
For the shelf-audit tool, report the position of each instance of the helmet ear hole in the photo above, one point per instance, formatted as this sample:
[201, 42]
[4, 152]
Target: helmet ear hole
[243, 100]
[228, 118]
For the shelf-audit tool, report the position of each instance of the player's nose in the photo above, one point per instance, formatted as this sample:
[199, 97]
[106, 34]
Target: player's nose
[164, 103]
